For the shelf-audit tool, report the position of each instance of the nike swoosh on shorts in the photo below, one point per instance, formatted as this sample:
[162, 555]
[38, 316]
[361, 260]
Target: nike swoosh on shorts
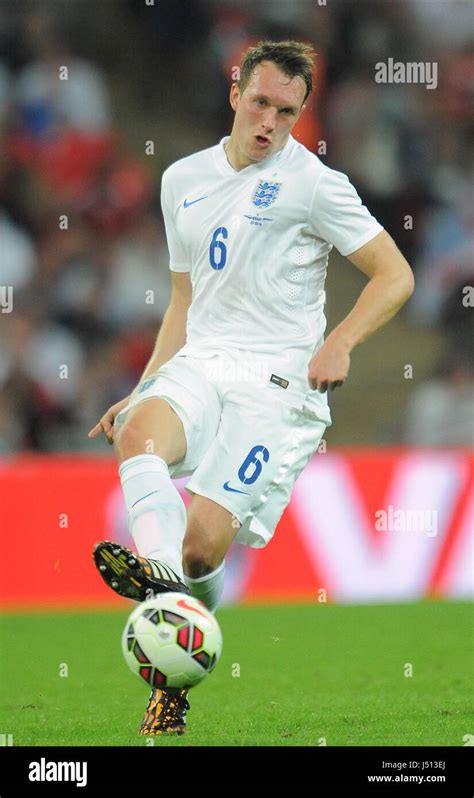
[235, 490]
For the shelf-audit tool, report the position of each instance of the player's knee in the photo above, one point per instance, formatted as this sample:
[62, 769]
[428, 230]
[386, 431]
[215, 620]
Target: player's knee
[199, 557]
[134, 439]
[147, 431]
[130, 440]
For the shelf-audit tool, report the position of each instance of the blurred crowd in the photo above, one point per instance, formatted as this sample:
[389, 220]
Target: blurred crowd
[82, 246]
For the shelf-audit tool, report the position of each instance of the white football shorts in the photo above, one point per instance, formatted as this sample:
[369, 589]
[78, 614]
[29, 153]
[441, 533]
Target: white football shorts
[251, 426]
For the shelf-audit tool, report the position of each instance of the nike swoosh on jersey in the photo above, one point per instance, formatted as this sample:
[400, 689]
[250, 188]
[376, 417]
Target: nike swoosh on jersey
[234, 490]
[186, 204]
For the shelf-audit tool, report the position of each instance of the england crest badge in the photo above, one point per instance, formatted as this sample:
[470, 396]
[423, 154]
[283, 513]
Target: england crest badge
[265, 194]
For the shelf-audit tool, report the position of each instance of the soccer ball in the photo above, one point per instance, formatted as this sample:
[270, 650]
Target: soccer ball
[172, 640]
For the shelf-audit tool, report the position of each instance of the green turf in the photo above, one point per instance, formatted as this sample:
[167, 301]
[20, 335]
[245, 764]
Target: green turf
[308, 675]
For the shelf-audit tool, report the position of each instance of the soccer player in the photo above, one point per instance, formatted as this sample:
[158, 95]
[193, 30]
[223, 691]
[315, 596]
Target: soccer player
[235, 392]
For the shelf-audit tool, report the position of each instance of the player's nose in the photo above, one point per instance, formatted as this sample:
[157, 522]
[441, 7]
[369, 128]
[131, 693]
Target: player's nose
[269, 121]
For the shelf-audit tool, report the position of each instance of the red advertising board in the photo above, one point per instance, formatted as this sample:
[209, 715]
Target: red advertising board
[378, 525]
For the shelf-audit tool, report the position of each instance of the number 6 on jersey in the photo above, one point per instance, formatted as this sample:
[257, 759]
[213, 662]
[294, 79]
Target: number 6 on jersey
[218, 247]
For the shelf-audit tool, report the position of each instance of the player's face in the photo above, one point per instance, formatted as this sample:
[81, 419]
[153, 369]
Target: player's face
[265, 112]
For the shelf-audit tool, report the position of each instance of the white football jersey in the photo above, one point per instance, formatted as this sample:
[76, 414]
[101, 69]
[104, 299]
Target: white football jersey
[256, 244]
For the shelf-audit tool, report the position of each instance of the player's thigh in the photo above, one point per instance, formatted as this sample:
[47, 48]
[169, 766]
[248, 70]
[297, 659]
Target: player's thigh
[174, 413]
[151, 427]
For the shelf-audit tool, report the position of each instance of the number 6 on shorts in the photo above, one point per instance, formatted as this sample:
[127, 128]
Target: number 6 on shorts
[252, 460]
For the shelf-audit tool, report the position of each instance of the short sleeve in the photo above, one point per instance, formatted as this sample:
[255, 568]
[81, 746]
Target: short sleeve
[338, 216]
[179, 261]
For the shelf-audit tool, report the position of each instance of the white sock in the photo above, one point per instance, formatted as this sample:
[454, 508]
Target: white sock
[156, 511]
[208, 588]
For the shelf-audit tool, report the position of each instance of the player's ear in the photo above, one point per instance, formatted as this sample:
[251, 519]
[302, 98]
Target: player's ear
[234, 96]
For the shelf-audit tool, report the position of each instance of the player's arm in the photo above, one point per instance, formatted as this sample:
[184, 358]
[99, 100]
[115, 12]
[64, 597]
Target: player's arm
[172, 334]
[171, 337]
[390, 284]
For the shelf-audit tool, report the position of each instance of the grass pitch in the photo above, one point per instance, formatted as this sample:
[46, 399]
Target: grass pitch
[309, 675]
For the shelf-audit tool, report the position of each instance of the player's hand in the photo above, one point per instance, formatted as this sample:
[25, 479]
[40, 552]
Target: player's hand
[106, 423]
[329, 367]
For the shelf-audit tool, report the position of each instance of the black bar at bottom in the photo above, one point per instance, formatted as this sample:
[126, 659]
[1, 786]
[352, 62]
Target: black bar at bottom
[203, 770]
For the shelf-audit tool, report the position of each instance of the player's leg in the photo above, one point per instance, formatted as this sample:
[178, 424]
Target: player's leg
[175, 421]
[171, 420]
[210, 530]
[151, 426]
[151, 439]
